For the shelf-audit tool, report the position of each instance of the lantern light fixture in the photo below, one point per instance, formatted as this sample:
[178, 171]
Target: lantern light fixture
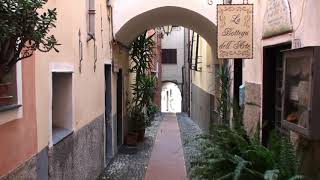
[167, 29]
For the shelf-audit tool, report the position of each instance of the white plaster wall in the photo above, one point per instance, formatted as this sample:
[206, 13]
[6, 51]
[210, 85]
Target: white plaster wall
[175, 40]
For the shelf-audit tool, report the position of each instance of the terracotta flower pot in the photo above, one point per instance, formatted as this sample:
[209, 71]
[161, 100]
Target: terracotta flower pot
[141, 134]
[132, 139]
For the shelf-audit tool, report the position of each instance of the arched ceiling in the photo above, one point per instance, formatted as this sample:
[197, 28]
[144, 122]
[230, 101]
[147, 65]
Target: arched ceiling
[132, 17]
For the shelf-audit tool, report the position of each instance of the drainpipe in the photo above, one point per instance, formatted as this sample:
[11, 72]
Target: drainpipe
[92, 14]
[197, 52]
[183, 93]
[190, 75]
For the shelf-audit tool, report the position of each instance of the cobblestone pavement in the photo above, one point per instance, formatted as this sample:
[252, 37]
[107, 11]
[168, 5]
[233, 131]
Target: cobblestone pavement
[188, 131]
[133, 166]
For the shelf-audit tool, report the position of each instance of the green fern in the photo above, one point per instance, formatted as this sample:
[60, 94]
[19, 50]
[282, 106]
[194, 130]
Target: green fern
[229, 153]
[242, 164]
[271, 174]
[287, 163]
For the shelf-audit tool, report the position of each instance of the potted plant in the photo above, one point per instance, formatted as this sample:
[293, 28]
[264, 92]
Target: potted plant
[137, 121]
[152, 110]
[141, 56]
[141, 126]
[132, 138]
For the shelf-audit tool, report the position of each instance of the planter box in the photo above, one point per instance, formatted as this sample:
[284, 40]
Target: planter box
[6, 100]
[4, 89]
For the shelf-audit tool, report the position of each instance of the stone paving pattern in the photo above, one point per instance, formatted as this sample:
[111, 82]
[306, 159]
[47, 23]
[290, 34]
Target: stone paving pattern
[133, 166]
[188, 132]
[167, 158]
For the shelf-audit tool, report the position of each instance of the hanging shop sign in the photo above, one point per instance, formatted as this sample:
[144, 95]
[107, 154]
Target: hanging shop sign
[235, 31]
[277, 18]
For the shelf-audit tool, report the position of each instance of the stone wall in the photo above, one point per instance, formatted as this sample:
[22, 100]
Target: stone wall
[79, 156]
[252, 109]
[202, 108]
[26, 171]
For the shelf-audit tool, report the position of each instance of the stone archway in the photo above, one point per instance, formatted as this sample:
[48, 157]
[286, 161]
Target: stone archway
[133, 17]
[179, 85]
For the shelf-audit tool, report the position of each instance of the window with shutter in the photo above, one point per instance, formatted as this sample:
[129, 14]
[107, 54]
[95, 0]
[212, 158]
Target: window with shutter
[169, 56]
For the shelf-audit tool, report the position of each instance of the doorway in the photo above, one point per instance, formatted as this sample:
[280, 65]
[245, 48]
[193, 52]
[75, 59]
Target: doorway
[120, 109]
[237, 80]
[171, 99]
[108, 113]
[272, 90]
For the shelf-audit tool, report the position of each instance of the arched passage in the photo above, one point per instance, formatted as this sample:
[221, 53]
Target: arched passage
[172, 82]
[135, 17]
[171, 98]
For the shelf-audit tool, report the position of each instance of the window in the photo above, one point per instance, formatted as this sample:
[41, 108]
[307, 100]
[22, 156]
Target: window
[61, 106]
[169, 56]
[8, 89]
[11, 95]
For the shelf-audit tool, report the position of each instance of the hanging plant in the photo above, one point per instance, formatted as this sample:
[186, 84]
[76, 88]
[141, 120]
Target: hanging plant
[24, 30]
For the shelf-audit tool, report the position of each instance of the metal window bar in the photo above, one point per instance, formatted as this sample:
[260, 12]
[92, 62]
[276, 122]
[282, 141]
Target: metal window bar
[196, 66]
[194, 62]
[193, 56]
[191, 50]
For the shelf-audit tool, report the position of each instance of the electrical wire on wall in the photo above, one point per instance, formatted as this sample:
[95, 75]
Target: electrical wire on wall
[299, 24]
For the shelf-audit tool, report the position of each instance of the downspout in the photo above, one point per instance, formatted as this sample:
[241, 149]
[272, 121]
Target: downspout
[190, 75]
[197, 53]
[92, 14]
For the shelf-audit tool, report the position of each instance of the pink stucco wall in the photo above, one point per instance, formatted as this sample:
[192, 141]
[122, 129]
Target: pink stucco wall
[18, 138]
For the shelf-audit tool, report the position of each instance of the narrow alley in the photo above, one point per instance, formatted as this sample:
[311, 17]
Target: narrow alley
[165, 154]
[159, 89]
